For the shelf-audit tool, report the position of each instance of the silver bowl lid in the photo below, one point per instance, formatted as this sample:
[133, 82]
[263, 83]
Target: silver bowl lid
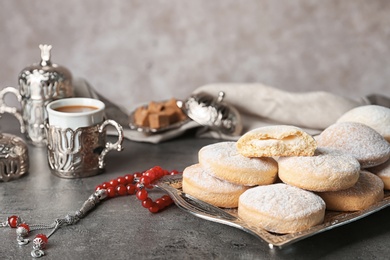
[211, 111]
[14, 161]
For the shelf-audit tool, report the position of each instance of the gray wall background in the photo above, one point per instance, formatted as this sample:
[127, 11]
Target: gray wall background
[139, 50]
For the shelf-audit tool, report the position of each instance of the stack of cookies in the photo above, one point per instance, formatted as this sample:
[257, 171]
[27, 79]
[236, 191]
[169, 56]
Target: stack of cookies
[223, 174]
[282, 179]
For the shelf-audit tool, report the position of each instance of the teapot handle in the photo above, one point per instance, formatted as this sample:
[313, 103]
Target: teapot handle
[12, 110]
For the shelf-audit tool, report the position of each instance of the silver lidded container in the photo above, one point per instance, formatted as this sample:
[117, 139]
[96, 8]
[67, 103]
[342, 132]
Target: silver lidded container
[14, 161]
[213, 113]
[39, 84]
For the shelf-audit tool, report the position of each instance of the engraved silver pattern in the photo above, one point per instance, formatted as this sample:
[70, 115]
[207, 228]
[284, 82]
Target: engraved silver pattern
[14, 161]
[81, 152]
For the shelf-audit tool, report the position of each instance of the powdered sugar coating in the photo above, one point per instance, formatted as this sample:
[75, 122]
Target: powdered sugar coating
[282, 201]
[367, 183]
[366, 192]
[383, 172]
[200, 184]
[374, 116]
[363, 142]
[328, 170]
[226, 163]
[201, 178]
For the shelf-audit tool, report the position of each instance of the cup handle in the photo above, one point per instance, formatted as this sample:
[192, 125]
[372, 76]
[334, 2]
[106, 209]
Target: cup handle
[111, 146]
[12, 110]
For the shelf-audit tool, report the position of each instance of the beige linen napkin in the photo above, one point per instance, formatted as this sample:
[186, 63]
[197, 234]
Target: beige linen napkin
[262, 105]
[258, 104]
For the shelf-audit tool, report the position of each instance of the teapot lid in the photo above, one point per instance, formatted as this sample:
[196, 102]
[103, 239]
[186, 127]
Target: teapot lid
[45, 63]
[46, 75]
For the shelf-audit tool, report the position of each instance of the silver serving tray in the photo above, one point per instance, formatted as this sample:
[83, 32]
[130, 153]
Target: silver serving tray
[173, 186]
[150, 130]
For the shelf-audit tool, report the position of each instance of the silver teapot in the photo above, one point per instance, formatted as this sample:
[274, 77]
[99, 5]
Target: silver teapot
[39, 84]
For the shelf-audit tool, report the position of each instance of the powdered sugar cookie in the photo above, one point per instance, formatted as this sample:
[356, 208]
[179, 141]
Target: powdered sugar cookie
[281, 208]
[226, 163]
[276, 140]
[327, 170]
[198, 183]
[366, 192]
[363, 142]
[376, 117]
[383, 172]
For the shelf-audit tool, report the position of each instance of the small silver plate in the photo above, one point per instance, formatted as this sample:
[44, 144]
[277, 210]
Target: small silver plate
[173, 186]
[150, 130]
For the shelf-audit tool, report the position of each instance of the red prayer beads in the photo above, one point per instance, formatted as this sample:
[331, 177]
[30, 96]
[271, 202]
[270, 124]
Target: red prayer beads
[130, 184]
[137, 184]
[40, 241]
[13, 221]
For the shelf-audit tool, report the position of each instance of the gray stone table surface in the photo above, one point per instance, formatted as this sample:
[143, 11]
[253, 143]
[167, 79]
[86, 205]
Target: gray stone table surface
[121, 228]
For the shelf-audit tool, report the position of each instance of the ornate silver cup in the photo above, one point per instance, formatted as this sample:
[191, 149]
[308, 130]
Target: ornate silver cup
[80, 153]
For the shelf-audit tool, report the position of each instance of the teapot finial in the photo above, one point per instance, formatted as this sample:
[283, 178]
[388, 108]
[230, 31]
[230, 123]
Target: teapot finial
[45, 54]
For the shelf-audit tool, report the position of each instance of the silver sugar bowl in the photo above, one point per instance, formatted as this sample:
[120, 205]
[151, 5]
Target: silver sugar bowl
[39, 84]
[213, 113]
[14, 160]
